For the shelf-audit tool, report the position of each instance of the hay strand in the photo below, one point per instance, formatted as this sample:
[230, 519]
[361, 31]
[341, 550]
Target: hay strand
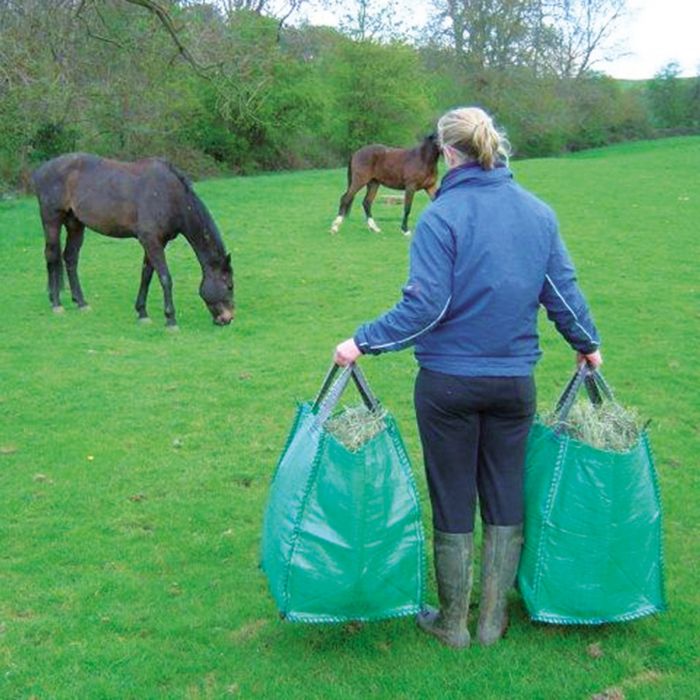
[607, 426]
[353, 426]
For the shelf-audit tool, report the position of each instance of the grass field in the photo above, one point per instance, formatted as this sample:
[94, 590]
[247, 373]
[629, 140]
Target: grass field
[135, 462]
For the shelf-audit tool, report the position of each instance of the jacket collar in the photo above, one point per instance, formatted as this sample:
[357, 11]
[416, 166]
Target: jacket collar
[474, 174]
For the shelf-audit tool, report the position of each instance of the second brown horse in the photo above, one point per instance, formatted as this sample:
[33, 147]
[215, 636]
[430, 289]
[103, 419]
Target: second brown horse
[408, 169]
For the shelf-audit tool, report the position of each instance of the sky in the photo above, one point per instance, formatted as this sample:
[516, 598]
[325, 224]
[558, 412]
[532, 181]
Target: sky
[659, 31]
[655, 33]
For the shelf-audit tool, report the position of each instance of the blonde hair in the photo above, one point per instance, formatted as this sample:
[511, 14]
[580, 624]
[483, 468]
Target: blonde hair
[471, 132]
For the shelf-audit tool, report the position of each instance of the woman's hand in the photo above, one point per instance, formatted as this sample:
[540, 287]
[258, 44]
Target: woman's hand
[593, 359]
[346, 353]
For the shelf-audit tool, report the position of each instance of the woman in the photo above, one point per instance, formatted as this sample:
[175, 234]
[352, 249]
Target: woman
[485, 255]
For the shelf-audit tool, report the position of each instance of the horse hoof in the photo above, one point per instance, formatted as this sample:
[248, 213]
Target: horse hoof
[85, 307]
[58, 309]
[336, 224]
[173, 329]
[406, 233]
[144, 320]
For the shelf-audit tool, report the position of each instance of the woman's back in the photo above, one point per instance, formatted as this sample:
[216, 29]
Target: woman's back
[500, 238]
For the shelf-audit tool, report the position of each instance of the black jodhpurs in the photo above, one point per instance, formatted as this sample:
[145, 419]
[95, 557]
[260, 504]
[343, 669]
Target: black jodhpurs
[474, 432]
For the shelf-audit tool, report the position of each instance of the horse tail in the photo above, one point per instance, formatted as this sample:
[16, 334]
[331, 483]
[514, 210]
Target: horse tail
[349, 204]
[32, 185]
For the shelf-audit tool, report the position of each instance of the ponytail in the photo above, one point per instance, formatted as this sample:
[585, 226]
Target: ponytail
[471, 132]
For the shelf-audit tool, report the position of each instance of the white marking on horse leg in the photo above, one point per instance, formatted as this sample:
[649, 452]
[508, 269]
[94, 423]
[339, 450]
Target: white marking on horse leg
[336, 224]
[372, 226]
[58, 309]
[407, 232]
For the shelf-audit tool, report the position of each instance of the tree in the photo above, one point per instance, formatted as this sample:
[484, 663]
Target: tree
[584, 29]
[487, 33]
[672, 98]
[564, 37]
[380, 93]
[281, 10]
[378, 20]
[270, 8]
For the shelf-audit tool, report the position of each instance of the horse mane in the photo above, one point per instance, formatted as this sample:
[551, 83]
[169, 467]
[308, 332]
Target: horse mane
[429, 147]
[198, 207]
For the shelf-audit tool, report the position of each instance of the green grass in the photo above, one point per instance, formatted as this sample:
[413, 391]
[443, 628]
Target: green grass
[134, 462]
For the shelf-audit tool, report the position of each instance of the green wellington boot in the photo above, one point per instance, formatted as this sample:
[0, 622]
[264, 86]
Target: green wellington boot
[499, 564]
[453, 568]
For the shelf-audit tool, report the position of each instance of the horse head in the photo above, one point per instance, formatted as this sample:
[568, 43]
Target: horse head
[431, 148]
[216, 290]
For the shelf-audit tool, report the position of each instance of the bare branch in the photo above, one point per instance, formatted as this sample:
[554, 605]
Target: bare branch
[166, 20]
[88, 29]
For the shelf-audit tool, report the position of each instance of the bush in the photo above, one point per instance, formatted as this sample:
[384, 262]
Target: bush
[51, 139]
[380, 95]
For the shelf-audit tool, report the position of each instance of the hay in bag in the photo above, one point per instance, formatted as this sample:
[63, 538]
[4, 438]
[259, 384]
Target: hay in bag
[342, 534]
[593, 550]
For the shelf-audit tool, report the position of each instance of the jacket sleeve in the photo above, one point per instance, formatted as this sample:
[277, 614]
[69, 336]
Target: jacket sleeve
[564, 301]
[426, 295]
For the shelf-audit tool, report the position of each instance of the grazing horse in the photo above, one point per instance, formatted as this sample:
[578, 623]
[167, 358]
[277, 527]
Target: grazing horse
[409, 169]
[149, 200]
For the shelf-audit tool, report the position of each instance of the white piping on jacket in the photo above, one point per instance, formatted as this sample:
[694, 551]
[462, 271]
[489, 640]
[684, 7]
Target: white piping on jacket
[573, 313]
[415, 335]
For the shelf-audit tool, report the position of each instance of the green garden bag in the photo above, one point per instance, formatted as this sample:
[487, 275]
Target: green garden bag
[342, 534]
[592, 551]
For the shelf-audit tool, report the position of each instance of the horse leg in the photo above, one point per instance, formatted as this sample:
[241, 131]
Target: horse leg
[146, 276]
[407, 202]
[155, 250]
[54, 265]
[343, 209]
[71, 254]
[371, 193]
[354, 186]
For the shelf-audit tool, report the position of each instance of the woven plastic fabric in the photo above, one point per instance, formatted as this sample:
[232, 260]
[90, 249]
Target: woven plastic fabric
[342, 535]
[593, 549]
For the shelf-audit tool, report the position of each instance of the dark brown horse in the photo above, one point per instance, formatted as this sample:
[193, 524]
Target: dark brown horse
[409, 169]
[149, 200]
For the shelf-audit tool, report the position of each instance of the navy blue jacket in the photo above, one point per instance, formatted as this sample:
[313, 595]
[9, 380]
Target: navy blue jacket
[485, 255]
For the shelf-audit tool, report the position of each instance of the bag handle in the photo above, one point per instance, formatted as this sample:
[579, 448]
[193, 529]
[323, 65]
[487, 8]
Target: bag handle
[332, 389]
[370, 400]
[596, 388]
[330, 376]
